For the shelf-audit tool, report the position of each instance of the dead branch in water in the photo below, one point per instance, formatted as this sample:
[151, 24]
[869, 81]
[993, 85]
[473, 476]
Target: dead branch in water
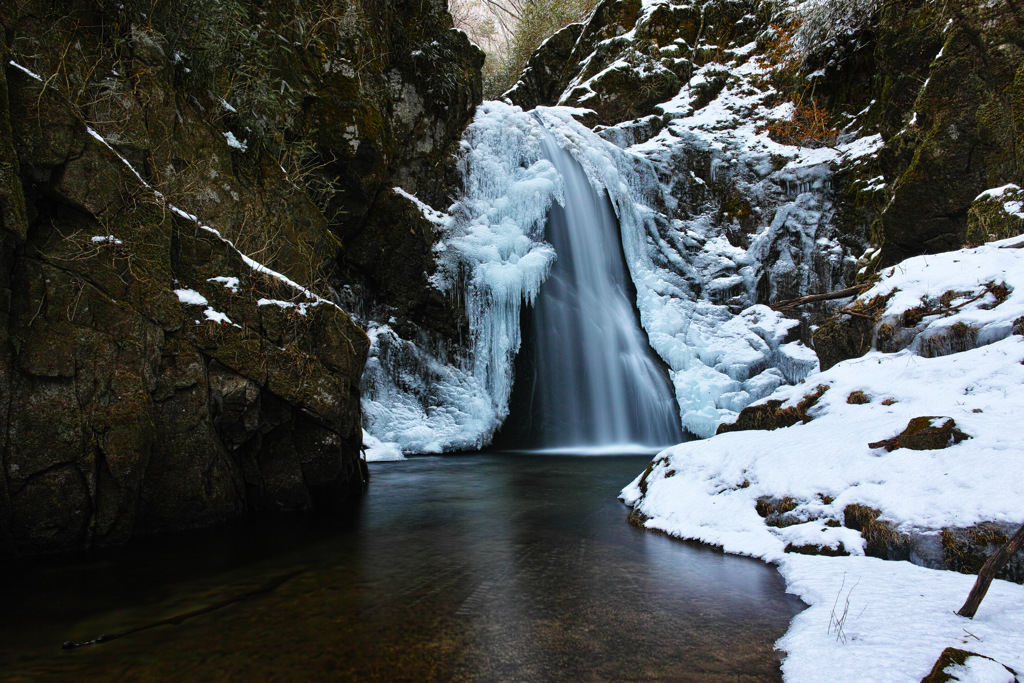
[178, 618]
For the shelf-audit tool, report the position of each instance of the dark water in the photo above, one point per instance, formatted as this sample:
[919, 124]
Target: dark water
[483, 567]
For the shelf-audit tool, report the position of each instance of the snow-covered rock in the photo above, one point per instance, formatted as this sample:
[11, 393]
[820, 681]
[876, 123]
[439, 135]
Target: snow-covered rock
[715, 490]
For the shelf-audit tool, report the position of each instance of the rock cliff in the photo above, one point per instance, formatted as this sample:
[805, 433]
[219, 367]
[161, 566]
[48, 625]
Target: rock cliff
[187, 192]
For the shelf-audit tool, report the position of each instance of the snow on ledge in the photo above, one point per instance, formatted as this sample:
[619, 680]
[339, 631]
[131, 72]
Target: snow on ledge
[191, 297]
[26, 71]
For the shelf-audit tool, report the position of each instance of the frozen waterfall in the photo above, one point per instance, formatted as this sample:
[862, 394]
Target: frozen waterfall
[591, 378]
[493, 256]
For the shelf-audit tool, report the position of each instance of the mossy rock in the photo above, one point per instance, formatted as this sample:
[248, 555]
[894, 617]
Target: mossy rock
[994, 218]
[136, 413]
[614, 17]
[954, 657]
[837, 340]
[546, 73]
[668, 23]
[623, 94]
[966, 549]
[771, 415]
[962, 138]
[843, 336]
[924, 434]
[956, 338]
[776, 511]
[857, 398]
[816, 550]
[637, 519]
[880, 537]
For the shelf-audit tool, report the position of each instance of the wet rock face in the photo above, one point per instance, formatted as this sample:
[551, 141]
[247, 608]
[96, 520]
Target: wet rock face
[127, 409]
[953, 91]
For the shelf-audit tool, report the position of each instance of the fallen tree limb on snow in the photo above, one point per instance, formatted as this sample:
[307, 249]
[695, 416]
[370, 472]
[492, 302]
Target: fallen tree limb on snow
[790, 304]
[988, 571]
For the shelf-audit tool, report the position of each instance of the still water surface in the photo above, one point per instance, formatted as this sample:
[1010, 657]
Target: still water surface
[492, 567]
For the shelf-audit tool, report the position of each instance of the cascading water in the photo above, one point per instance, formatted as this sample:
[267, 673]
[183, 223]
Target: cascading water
[594, 381]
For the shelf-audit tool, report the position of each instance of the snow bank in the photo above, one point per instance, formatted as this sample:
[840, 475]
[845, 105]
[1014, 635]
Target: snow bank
[900, 618]
[980, 291]
[377, 451]
[901, 615]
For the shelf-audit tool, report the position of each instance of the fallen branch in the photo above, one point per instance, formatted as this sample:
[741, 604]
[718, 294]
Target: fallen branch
[827, 296]
[178, 618]
[988, 571]
[847, 311]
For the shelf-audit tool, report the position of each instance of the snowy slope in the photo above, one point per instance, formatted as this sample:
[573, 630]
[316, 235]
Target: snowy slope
[709, 490]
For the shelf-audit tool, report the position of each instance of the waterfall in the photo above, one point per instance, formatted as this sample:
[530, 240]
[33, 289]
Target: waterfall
[592, 378]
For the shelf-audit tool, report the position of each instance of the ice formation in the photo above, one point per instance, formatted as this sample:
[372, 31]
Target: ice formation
[493, 257]
[692, 285]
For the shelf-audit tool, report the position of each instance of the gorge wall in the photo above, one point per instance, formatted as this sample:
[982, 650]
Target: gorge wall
[204, 205]
[187, 192]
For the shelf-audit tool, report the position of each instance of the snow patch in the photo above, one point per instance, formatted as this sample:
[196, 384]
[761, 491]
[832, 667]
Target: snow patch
[901, 616]
[234, 142]
[26, 71]
[191, 297]
[378, 451]
[229, 282]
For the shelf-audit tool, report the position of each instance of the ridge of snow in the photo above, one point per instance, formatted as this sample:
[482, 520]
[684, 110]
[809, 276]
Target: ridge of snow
[25, 70]
[430, 213]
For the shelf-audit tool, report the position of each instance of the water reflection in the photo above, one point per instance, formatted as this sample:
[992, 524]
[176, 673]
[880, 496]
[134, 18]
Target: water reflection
[484, 567]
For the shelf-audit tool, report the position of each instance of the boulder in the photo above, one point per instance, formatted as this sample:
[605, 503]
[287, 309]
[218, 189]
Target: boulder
[772, 415]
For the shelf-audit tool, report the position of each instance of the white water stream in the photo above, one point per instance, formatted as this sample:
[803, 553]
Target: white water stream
[595, 381]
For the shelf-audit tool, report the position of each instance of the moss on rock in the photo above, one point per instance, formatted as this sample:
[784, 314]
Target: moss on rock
[923, 434]
[771, 415]
[880, 537]
[954, 657]
[966, 549]
[989, 220]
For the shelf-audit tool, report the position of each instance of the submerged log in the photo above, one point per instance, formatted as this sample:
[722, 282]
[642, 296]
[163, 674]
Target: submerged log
[178, 618]
[988, 571]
